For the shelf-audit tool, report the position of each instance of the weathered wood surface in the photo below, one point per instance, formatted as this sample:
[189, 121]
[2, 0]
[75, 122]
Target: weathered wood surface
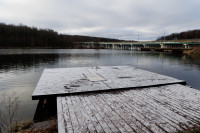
[167, 108]
[89, 79]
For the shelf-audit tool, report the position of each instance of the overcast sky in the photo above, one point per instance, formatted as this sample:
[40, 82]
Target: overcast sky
[122, 19]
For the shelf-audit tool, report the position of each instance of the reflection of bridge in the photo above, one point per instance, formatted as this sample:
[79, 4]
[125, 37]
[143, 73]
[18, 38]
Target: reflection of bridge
[141, 45]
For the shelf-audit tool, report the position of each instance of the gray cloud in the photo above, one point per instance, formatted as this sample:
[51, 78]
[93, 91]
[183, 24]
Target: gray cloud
[125, 19]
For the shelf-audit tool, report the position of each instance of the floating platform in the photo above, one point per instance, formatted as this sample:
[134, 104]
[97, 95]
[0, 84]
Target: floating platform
[119, 99]
[67, 81]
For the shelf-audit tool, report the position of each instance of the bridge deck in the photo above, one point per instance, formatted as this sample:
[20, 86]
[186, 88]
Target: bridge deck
[161, 109]
[66, 81]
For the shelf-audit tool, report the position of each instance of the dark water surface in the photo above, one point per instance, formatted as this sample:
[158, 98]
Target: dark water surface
[20, 70]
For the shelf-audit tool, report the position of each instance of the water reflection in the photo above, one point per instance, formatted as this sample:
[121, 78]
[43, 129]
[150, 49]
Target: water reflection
[26, 61]
[20, 70]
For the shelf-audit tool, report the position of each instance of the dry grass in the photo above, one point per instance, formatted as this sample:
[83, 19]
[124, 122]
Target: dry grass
[194, 130]
[21, 127]
[30, 127]
[51, 128]
[9, 105]
[193, 53]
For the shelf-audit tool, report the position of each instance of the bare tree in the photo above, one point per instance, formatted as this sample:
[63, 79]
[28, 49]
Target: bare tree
[9, 105]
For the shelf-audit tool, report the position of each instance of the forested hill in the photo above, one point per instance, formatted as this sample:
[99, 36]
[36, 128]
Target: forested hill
[24, 36]
[192, 34]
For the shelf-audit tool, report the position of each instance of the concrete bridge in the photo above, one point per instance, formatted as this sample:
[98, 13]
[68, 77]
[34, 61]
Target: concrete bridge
[141, 45]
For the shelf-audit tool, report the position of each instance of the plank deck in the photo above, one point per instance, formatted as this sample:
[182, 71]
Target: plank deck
[67, 81]
[167, 108]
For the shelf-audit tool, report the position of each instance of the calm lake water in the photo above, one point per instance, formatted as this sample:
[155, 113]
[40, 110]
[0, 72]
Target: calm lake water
[20, 70]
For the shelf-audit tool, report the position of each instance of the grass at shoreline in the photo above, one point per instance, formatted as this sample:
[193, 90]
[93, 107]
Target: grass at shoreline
[194, 130]
[195, 53]
[31, 127]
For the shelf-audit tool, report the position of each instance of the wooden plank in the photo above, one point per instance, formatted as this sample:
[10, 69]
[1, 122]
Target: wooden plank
[82, 122]
[154, 109]
[134, 112]
[159, 109]
[154, 117]
[127, 116]
[191, 99]
[67, 81]
[61, 120]
[150, 108]
[67, 117]
[88, 121]
[98, 116]
[182, 120]
[170, 103]
[91, 115]
[75, 124]
[187, 104]
[96, 104]
[114, 117]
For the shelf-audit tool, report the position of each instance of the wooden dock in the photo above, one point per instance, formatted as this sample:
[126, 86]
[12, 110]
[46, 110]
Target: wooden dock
[162, 109]
[119, 99]
[67, 81]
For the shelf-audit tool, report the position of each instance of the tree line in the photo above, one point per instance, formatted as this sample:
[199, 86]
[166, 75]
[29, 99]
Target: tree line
[191, 34]
[24, 36]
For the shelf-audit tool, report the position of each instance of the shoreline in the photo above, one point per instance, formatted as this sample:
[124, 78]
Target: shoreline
[195, 53]
[50, 48]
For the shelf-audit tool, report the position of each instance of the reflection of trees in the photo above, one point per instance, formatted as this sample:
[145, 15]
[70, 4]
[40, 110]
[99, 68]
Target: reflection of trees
[24, 61]
[178, 58]
[181, 59]
[191, 60]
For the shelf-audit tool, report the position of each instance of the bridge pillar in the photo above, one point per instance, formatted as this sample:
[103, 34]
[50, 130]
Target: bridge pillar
[145, 46]
[107, 46]
[122, 46]
[162, 45]
[186, 45]
[119, 47]
[110, 46]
